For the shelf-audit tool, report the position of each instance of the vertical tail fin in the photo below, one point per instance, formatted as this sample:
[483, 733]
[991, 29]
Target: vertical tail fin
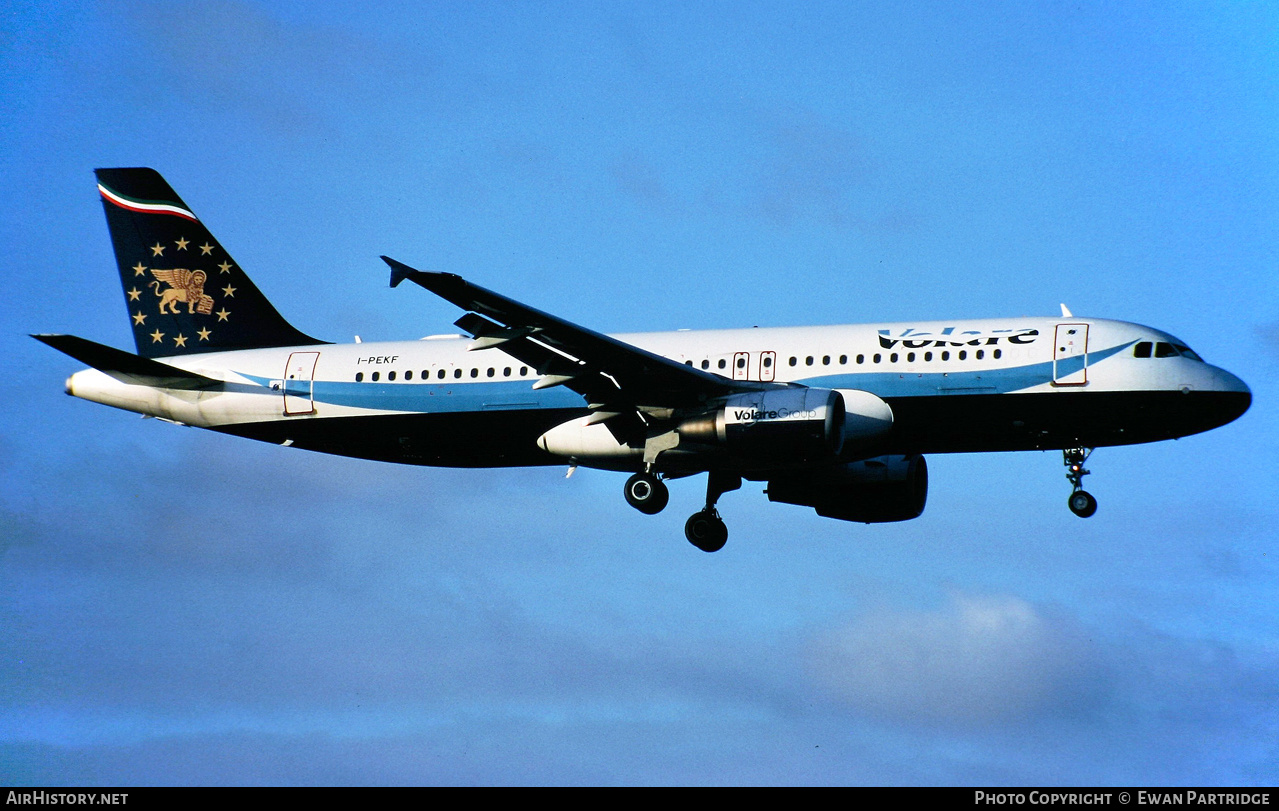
[185, 294]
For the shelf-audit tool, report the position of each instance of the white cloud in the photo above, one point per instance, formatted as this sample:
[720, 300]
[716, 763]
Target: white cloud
[975, 660]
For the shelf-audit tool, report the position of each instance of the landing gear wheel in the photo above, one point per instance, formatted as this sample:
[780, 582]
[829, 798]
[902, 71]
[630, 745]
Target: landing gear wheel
[1082, 503]
[706, 531]
[646, 493]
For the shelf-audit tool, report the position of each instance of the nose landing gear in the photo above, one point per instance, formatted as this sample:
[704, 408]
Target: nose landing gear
[1081, 502]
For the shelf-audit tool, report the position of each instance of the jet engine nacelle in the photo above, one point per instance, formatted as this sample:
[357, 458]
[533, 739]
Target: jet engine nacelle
[796, 424]
[867, 420]
[782, 426]
[872, 491]
[792, 424]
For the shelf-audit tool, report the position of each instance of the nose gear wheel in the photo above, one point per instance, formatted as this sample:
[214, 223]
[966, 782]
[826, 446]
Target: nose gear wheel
[1081, 502]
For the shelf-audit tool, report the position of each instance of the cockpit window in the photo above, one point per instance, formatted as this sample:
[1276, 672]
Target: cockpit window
[1164, 349]
[1187, 352]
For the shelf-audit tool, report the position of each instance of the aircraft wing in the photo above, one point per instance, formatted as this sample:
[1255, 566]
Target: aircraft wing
[619, 381]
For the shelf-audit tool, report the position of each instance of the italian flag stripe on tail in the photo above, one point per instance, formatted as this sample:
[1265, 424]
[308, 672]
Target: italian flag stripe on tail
[144, 206]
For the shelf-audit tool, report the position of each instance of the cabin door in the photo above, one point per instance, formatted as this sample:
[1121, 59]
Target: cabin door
[299, 383]
[1070, 355]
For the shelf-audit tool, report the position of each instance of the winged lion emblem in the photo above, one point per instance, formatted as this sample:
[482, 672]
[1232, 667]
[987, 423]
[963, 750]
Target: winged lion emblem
[186, 286]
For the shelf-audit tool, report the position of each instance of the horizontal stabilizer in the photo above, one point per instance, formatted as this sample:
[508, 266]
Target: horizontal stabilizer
[125, 366]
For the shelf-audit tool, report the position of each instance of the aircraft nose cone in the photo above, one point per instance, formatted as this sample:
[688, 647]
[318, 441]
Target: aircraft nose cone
[1235, 395]
[1231, 383]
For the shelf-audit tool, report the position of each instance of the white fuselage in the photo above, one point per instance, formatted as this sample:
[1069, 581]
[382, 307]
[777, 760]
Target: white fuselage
[934, 365]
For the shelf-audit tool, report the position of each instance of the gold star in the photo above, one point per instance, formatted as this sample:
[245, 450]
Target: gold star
[138, 270]
[204, 334]
[181, 243]
[206, 249]
[222, 314]
[226, 267]
[156, 336]
[139, 319]
[181, 340]
[156, 250]
[134, 293]
[229, 291]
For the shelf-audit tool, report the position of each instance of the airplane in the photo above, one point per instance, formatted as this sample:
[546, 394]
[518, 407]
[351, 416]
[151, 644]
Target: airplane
[836, 418]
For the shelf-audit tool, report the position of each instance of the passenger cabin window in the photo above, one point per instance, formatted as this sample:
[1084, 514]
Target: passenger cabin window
[1142, 350]
[375, 376]
[359, 377]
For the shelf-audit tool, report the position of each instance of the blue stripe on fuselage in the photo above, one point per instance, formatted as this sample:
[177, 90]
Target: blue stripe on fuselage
[452, 396]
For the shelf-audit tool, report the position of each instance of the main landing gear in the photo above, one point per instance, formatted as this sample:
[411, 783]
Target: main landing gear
[704, 528]
[647, 493]
[1081, 502]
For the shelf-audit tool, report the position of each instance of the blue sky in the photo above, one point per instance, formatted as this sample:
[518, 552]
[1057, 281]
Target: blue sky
[181, 607]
